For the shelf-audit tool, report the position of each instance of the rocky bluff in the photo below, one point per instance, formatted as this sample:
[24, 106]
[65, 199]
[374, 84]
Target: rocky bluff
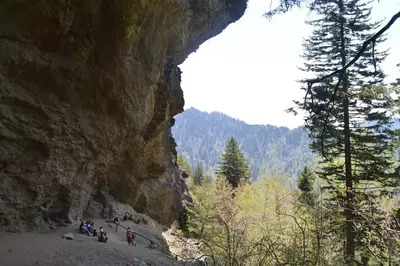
[88, 90]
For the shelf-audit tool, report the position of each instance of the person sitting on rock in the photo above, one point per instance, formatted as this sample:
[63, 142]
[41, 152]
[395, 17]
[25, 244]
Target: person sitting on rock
[85, 230]
[94, 232]
[91, 227]
[102, 237]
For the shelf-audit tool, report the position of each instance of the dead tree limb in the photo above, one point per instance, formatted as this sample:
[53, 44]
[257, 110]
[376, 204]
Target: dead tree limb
[341, 73]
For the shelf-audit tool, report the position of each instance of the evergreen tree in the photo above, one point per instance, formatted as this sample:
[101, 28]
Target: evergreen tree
[348, 114]
[198, 175]
[279, 150]
[234, 165]
[305, 182]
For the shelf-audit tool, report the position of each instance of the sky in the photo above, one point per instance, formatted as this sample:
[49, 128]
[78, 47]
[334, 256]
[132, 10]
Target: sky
[249, 71]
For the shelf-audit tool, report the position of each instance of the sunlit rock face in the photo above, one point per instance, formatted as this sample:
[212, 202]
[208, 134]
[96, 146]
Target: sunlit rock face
[88, 90]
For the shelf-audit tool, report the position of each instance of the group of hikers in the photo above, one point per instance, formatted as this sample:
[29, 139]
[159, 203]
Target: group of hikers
[89, 229]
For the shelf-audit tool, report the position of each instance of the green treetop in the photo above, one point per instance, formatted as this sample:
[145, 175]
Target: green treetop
[349, 114]
[234, 165]
[198, 175]
[305, 182]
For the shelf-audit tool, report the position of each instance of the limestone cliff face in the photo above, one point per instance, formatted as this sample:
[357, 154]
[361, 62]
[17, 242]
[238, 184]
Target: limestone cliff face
[88, 90]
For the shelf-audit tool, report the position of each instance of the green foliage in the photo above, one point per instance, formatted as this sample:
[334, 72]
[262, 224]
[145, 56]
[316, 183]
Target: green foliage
[214, 220]
[233, 164]
[349, 118]
[260, 225]
[396, 83]
[305, 182]
[263, 223]
[270, 150]
[184, 164]
[198, 176]
[207, 179]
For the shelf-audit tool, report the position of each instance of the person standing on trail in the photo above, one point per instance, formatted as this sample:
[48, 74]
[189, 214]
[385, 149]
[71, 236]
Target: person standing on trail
[129, 236]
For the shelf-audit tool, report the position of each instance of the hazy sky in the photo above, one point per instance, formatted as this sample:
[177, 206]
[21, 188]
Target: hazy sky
[249, 70]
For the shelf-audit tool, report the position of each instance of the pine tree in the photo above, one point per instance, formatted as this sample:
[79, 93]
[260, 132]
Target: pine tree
[234, 165]
[198, 175]
[305, 182]
[348, 115]
[306, 179]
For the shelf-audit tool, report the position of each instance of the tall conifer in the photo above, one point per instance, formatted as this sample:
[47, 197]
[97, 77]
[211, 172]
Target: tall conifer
[348, 115]
[234, 165]
[198, 176]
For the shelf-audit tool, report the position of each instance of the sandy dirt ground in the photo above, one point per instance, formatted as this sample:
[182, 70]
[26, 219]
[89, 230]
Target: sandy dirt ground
[50, 249]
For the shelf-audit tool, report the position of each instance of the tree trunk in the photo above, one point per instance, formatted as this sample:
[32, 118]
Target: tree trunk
[349, 207]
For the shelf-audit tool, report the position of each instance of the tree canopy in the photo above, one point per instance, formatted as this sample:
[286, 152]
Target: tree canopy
[305, 182]
[234, 165]
[198, 176]
[349, 114]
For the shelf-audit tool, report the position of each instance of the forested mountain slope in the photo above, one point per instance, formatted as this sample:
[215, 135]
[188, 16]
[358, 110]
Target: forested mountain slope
[202, 136]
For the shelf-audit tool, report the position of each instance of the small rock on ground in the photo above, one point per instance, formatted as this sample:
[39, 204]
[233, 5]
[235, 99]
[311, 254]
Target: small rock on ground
[68, 236]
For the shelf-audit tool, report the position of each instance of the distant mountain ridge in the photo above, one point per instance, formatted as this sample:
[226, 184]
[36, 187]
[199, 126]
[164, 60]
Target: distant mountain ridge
[202, 136]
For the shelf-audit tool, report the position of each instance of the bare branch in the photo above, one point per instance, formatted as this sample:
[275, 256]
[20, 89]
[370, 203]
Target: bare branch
[283, 7]
[362, 50]
[372, 40]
